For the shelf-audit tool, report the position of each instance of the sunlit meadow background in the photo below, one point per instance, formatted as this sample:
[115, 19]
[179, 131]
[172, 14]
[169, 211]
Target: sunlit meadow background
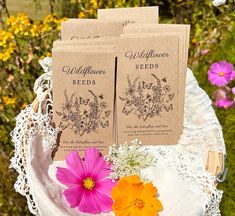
[27, 30]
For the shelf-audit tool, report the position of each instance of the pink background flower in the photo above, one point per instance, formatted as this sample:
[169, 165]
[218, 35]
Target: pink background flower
[233, 90]
[220, 73]
[219, 94]
[88, 182]
[224, 103]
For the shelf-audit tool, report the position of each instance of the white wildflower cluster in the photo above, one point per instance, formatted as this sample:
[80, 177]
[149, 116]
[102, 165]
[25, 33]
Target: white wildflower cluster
[129, 159]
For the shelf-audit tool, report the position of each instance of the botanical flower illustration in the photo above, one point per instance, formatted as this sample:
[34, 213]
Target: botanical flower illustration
[220, 73]
[129, 159]
[134, 198]
[88, 182]
[84, 115]
[147, 100]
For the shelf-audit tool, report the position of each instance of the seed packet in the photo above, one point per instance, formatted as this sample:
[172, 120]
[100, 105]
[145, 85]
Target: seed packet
[130, 15]
[96, 41]
[81, 30]
[83, 98]
[147, 89]
[182, 31]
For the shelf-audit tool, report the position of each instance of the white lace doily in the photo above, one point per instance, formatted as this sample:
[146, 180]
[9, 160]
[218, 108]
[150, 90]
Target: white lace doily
[185, 187]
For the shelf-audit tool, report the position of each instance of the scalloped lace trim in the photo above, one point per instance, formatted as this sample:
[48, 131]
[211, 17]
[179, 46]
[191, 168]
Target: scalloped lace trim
[27, 123]
[188, 167]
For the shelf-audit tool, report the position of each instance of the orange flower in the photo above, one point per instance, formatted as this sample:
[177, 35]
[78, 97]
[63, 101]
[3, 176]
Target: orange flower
[134, 198]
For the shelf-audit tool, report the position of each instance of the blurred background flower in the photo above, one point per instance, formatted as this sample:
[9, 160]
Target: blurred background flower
[29, 27]
[217, 3]
[220, 73]
[7, 46]
[224, 103]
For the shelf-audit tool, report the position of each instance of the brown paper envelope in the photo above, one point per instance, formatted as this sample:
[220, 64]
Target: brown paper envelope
[83, 97]
[181, 65]
[80, 20]
[98, 41]
[164, 28]
[154, 28]
[147, 88]
[95, 48]
[84, 46]
[73, 30]
[130, 15]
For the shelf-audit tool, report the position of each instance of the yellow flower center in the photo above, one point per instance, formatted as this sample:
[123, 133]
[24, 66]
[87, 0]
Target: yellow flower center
[221, 73]
[88, 183]
[138, 203]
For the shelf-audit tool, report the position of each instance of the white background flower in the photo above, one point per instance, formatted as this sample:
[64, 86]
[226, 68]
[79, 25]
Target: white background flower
[218, 2]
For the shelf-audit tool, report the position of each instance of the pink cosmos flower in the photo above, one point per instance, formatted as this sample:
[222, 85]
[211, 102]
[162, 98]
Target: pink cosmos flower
[220, 73]
[224, 103]
[88, 182]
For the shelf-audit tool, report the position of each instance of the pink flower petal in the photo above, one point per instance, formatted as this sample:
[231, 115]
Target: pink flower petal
[75, 164]
[215, 67]
[66, 177]
[226, 67]
[218, 80]
[212, 77]
[96, 167]
[88, 204]
[74, 195]
[92, 155]
[232, 77]
[101, 169]
[105, 186]
[104, 201]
